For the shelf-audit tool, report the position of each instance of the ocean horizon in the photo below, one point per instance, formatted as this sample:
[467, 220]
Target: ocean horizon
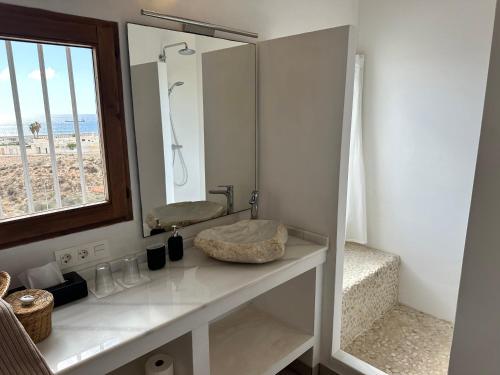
[61, 124]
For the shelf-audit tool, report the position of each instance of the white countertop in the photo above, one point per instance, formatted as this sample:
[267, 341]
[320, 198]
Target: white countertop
[90, 328]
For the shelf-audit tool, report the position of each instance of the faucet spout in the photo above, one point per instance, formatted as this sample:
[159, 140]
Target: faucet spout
[229, 193]
[254, 202]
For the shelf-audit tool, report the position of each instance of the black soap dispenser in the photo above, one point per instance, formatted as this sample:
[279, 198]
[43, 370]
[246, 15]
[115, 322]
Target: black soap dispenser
[157, 229]
[175, 245]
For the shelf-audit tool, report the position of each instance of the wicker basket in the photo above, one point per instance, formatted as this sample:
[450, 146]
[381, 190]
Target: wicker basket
[4, 283]
[37, 317]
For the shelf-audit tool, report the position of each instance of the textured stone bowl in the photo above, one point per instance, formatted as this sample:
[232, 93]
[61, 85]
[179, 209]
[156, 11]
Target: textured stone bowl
[247, 241]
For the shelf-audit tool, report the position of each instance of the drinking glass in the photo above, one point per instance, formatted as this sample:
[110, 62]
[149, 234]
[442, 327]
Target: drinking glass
[104, 283]
[130, 270]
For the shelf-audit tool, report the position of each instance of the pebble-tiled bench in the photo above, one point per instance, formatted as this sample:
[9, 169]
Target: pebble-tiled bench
[371, 280]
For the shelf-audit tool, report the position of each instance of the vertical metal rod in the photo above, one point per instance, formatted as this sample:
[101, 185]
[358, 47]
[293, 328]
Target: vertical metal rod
[48, 119]
[76, 124]
[20, 131]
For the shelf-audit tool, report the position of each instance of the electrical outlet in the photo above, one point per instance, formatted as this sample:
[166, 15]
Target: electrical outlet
[83, 254]
[65, 258]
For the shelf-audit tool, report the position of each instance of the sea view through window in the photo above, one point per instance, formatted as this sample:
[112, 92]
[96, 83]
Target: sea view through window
[51, 155]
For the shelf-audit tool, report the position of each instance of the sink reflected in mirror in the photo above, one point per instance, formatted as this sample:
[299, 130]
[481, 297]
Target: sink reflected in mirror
[247, 241]
[183, 213]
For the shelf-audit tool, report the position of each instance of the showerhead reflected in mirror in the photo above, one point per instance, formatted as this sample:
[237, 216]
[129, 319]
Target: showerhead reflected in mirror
[194, 114]
[173, 86]
[185, 51]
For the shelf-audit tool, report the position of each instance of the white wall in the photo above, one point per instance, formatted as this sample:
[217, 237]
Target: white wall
[426, 69]
[268, 17]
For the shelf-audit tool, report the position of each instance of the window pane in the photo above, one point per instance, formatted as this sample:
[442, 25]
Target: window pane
[13, 199]
[72, 154]
[34, 123]
[90, 128]
[63, 126]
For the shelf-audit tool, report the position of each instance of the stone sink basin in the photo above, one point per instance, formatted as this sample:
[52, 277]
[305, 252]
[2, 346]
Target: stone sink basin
[247, 241]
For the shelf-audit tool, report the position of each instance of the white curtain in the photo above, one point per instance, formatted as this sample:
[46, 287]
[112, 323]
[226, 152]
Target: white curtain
[356, 190]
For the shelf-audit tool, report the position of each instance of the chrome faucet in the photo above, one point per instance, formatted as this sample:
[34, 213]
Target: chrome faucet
[254, 202]
[229, 193]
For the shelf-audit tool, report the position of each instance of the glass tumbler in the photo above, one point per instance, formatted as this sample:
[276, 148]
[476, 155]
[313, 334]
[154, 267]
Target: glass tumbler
[130, 270]
[104, 283]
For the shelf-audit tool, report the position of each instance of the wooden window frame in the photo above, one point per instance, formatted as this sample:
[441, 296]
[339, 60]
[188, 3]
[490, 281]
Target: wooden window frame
[22, 23]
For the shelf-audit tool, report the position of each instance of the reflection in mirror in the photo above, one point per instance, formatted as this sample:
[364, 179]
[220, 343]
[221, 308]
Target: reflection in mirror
[195, 128]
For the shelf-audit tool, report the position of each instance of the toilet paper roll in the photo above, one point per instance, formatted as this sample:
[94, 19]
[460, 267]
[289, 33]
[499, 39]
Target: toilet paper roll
[159, 364]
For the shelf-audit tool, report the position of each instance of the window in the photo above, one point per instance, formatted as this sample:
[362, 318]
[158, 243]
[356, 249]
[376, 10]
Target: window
[63, 158]
[50, 146]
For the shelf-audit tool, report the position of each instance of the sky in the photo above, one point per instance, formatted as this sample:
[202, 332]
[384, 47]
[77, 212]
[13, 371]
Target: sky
[29, 84]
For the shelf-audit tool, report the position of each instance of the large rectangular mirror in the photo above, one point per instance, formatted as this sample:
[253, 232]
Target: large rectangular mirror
[195, 125]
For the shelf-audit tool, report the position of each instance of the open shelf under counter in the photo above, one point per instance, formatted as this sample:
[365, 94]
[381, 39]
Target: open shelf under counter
[252, 342]
[101, 335]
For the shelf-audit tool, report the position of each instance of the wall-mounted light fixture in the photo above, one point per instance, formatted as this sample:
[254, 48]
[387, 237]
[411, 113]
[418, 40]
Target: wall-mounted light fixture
[199, 27]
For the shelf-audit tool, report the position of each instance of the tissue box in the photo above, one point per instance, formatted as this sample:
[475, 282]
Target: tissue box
[74, 288]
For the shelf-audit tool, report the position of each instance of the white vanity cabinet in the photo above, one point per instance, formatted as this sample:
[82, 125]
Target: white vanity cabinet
[212, 317]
